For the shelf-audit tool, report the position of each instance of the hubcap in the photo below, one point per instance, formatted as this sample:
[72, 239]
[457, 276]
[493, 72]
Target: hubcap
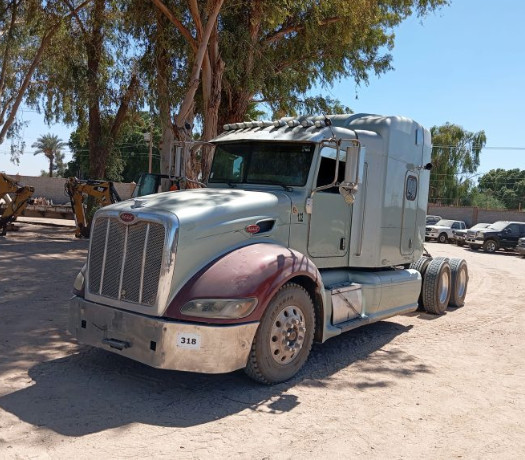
[443, 288]
[491, 246]
[287, 335]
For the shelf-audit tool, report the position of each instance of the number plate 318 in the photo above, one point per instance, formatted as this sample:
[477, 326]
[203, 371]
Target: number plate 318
[188, 340]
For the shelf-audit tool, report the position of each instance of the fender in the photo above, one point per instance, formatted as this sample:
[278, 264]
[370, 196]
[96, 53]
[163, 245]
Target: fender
[258, 270]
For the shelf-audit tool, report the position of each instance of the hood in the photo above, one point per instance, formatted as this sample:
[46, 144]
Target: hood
[211, 211]
[438, 227]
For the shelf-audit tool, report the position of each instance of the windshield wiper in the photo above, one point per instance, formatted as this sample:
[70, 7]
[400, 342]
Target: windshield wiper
[280, 184]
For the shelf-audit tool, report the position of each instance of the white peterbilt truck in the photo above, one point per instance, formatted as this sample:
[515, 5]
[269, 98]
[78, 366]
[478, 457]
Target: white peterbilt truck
[306, 228]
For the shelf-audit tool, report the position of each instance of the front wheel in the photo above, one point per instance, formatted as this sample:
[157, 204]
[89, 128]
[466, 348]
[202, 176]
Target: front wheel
[490, 246]
[442, 238]
[284, 338]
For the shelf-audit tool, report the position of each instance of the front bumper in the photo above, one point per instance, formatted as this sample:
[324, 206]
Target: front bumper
[474, 241]
[432, 235]
[160, 343]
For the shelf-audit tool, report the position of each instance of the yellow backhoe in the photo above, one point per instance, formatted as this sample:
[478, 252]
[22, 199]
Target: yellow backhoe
[16, 198]
[101, 193]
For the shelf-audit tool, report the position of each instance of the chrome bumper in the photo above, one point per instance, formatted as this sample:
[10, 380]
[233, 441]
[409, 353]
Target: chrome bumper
[474, 241]
[160, 343]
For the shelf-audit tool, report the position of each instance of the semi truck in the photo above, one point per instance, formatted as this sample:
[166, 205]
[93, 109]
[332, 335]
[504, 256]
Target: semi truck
[307, 228]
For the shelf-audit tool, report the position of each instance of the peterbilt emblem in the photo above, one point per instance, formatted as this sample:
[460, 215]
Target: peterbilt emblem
[127, 217]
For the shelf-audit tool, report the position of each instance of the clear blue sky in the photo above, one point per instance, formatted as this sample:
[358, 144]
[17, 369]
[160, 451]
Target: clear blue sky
[464, 64]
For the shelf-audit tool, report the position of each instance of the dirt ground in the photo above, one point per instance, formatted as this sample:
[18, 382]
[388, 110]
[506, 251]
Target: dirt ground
[415, 386]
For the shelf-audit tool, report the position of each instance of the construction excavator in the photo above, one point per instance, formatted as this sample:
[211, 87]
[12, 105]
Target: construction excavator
[16, 198]
[87, 195]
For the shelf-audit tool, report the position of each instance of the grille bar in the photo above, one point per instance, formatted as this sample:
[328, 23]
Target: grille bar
[123, 263]
[141, 288]
[104, 258]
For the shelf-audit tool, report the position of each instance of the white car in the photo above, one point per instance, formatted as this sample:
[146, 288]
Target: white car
[442, 231]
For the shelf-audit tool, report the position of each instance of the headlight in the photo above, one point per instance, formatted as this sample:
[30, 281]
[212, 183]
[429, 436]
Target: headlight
[78, 285]
[219, 308]
[479, 235]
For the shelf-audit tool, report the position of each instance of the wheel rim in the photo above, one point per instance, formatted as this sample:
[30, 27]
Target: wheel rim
[441, 238]
[461, 283]
[491, 246]
[444, 287]
[287, 335]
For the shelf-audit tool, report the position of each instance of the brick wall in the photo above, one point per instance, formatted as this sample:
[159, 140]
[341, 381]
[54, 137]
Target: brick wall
[472, 215]
[52, 188]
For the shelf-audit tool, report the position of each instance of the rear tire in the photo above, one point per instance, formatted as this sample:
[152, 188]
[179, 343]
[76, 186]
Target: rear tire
[436, 286]
[459, 276]
[284, 338]
[421, 266]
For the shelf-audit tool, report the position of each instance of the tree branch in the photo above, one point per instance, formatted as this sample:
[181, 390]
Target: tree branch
[281, 33]
[179, 25]
[197, 66]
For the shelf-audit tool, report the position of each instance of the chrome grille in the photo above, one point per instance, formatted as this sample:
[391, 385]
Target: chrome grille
[125, 261]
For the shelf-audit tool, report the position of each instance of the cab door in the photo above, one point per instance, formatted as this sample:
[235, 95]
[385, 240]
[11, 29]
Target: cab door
[329, 228]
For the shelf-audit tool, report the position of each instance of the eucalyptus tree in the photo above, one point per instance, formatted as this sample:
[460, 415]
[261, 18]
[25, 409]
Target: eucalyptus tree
[247, 51]
[51, 146]
[277, 51]
[91, 77]
[455, 158]
[27, 29]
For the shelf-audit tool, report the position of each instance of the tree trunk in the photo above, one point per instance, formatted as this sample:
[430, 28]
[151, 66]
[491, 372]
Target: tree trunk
[212, 100]
[162, 62]
[97, 152]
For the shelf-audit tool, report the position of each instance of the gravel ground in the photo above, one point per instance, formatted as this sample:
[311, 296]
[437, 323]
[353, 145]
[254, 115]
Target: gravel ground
[415, 386]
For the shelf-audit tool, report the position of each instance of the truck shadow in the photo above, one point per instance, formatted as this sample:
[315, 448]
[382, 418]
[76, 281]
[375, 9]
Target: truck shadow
[93, 390]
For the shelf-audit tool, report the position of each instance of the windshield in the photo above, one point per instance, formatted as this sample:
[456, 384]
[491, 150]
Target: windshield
[445, 223]
[498, 225]
[279, 163]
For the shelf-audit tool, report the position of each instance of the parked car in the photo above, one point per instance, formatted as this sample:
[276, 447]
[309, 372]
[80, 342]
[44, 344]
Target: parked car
[431, 220]
[442, 231]
[520, 248]
[499, 235]
[459, 236]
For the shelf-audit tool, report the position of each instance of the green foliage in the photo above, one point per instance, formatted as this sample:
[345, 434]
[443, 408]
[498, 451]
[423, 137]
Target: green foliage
[486, 201]
[506, 186]
[455, 157]
[129, 156]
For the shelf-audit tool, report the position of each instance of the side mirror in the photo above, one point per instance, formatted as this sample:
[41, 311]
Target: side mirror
[349, 186]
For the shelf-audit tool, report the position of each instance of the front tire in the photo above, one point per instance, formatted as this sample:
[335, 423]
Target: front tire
[284, 338]
[442, 238]
[490, 246]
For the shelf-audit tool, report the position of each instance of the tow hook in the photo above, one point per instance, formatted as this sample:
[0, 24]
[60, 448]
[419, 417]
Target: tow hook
[118, 344]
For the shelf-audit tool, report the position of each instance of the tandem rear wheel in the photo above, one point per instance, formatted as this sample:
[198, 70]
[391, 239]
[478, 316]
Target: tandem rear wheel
[444, 284]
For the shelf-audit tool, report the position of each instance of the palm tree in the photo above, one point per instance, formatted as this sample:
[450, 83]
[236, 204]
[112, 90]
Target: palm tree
[51, 146]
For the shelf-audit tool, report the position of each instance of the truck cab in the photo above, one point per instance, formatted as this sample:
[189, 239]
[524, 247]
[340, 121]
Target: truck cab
[307, 228]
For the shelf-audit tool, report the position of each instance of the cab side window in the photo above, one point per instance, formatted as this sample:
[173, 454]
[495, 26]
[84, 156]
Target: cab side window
[513, 229]
[326, 174]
